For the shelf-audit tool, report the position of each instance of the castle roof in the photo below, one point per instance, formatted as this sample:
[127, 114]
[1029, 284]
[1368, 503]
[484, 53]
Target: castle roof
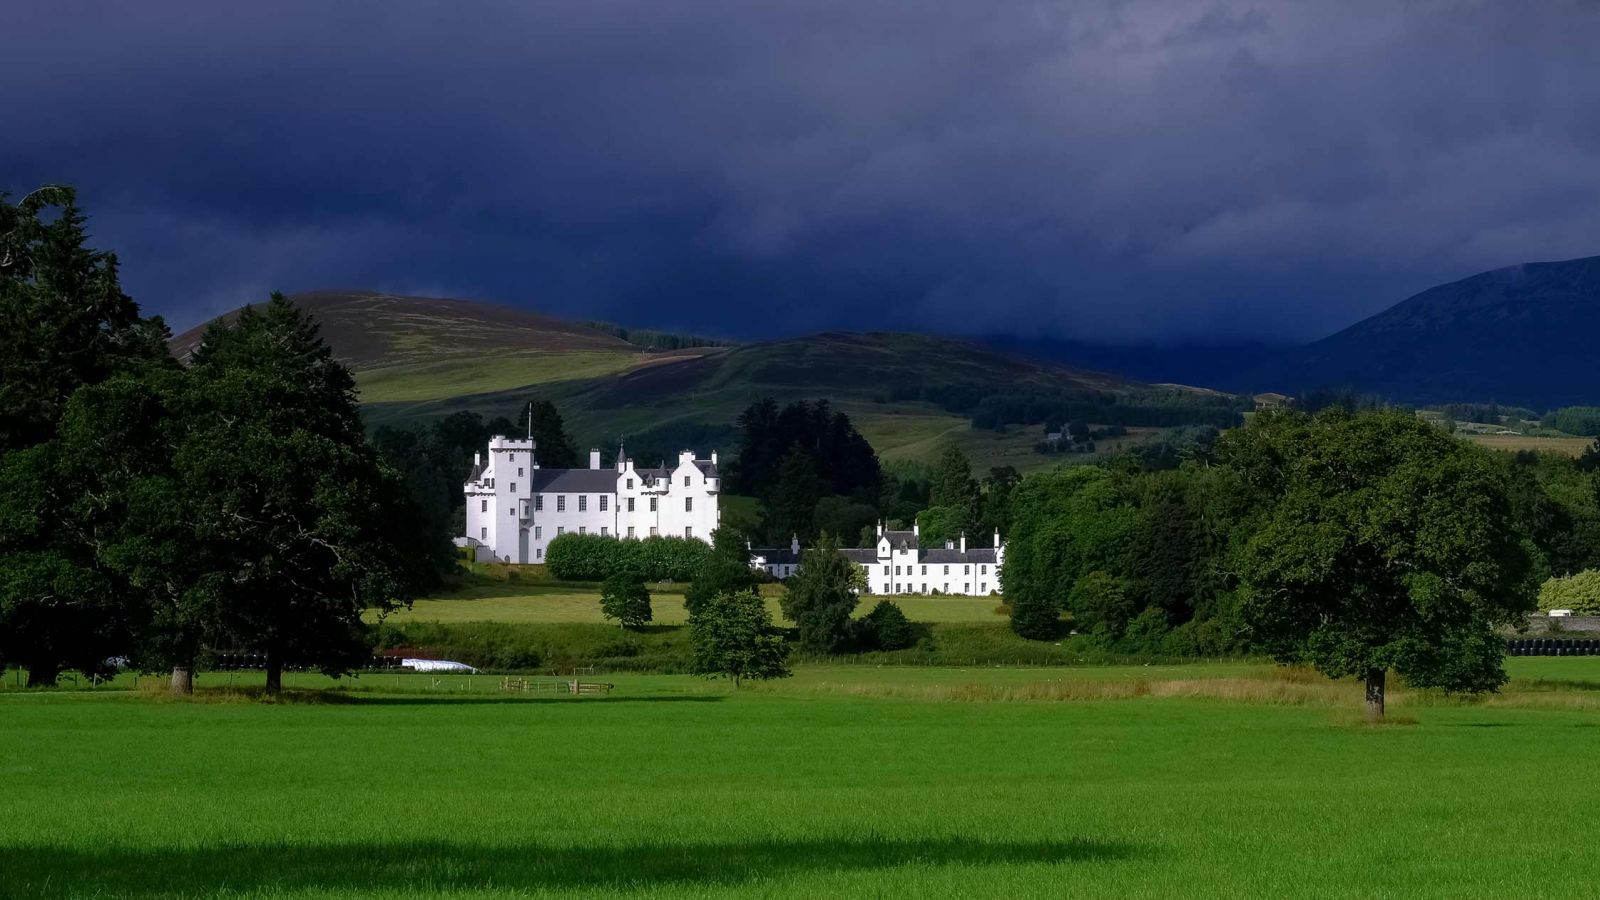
[574, 481]
[901, 539]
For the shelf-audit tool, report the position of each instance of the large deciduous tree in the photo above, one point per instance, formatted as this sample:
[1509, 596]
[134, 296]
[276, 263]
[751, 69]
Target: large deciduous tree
[1067, 524]
[821, 596]
[65, 324]
[733, 638]
[1383, 544]
[300, 525]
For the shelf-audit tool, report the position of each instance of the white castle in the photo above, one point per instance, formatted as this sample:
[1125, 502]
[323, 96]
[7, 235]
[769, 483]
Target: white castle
[515, 507]
[899, 564]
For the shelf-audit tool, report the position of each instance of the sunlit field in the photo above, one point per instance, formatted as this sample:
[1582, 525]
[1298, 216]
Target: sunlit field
[540, 600]
[1213, 779]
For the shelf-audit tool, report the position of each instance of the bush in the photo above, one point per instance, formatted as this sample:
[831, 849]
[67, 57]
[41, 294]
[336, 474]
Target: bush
[591, 557]
[885, 628]
[1579, 593]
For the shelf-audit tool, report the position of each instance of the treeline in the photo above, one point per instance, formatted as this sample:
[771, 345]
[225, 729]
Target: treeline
[657, 340]
[1583, 421]
[1200, 551]
[810, 468]
[1031, 405]
[156, 513]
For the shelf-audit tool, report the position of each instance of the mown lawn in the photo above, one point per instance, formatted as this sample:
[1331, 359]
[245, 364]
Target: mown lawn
[530, 600]
[679, 788]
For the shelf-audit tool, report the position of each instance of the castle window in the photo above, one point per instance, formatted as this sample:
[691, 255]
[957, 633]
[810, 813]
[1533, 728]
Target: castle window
[966, 570]
[513, 487]
[685, 481]
[538, 553]
[604, 532]
[630, 531]
[630, 504]
[560, 530]
[688, 504]
[983, 570]
[604, 502]
[652, 531]
[484, 507]
[630, 484]
[511, 511]
[924, 570]
[688, 532]
[583, 503]
[561, 503]
[583, 529]
[483, 533]
[947, 570]
[538, 502]
[519, 471]
[652, 504]
[538, 532]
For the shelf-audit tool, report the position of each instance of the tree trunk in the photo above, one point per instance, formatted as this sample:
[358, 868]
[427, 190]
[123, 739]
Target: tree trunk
[182, 680]
[274, 673]
[43, 675]
[1375, 695]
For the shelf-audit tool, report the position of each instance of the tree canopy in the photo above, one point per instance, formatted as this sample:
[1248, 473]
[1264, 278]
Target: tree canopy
[1383, 543]
[733, 637]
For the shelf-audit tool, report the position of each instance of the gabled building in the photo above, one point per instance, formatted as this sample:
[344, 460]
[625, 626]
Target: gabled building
[899, 564]
[515, 507]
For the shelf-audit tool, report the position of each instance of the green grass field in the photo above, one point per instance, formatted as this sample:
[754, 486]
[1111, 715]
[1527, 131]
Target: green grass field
[1569, 446]
[1146, 783]
[543, 601]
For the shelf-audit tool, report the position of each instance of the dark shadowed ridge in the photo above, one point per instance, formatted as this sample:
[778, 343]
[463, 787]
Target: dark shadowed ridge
[1526, 335]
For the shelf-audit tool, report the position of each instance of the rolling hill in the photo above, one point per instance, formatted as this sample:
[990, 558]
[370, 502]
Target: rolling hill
[1527, 335]
[418, 359]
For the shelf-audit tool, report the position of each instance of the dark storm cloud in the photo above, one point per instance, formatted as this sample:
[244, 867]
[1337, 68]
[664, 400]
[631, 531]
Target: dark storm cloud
[1174, 170]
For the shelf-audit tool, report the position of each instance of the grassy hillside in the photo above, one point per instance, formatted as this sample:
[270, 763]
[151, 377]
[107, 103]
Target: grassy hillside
[418, 359]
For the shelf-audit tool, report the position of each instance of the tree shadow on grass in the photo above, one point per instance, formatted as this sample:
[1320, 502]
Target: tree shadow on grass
[467, 699]
[49, 872]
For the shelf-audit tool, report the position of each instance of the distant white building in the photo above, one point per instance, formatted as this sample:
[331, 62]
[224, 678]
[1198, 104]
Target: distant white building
[899, 564]
[515, 507]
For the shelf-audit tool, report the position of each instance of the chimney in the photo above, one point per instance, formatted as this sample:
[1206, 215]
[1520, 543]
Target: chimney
[477, 459]
[963, 542]
[594, 458]
[794, 543]
[949, 545]
[880, 528]
[997, 539]
[713, 457]
[916, 528]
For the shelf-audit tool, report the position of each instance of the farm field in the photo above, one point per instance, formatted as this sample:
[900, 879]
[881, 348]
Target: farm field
[542, 601]
[1570, 446]
[677, 787]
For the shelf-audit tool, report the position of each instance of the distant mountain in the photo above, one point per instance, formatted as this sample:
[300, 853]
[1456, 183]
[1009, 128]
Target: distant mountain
[1527, 335]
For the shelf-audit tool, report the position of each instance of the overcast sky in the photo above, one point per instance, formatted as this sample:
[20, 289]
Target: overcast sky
[1117, 171]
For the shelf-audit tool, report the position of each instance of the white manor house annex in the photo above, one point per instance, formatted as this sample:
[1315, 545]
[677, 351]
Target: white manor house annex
[515, 508]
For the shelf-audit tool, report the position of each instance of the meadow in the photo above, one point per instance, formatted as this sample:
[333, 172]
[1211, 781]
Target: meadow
[510, 596]
[1216, 779]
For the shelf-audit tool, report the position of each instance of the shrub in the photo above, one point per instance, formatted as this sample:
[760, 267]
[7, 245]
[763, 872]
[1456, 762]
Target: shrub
[1579, 593]
[583, 557]
[626, 599]
[885, 628]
